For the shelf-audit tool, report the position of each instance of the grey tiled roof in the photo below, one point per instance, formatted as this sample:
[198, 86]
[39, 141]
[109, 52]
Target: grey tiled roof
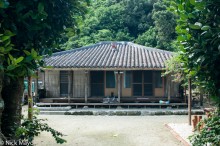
[110, 55]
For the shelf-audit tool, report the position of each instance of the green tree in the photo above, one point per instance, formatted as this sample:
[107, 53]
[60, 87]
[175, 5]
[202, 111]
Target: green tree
[199, 51]
[148, 38]
[198, 32]
[162, 33]
[165, 23]
[38, 27]
[113, 20]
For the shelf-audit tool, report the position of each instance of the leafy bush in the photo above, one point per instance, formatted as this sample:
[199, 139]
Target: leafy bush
[210, 134]
[31, 128]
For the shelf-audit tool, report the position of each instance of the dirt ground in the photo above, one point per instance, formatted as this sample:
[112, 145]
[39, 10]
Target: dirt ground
[111, 130]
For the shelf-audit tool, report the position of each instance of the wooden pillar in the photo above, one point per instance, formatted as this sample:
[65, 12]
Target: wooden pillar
[37, 87]
[86, 86]
[189, 99]
[44, 79]
[69, 85]
[169, 88]
[119, 87]
[30, 99]
[163, 84]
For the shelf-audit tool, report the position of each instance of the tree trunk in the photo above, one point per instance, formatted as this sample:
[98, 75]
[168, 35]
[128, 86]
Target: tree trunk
[30, 99]
[1, 105]
[189, 99]
[12, 94]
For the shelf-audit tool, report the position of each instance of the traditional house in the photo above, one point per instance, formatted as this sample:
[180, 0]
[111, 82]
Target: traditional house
[124, 71]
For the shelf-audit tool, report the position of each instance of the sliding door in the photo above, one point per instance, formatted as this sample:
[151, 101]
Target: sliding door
[142, 82]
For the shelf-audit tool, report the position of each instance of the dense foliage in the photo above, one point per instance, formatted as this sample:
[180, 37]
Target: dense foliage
[198, 35]
[34, 29]
[29, 29]
[145, 22]
[198, 29]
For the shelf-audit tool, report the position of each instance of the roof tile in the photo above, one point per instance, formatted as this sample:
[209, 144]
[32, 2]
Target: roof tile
[113, 55]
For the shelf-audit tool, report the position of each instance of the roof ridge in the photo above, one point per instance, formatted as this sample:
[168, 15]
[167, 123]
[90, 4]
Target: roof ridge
[110, 42]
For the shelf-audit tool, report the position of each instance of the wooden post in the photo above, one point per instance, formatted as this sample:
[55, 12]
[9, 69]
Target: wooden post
[189, 99]
[194, 122]
[119, 87]
[44, 79]
[30, 99]
[169, 88]
[69, 85]
[37, 87]
[86, 86]
[163, 82]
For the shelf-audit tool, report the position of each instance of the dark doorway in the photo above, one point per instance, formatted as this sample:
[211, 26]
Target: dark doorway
[97, 83]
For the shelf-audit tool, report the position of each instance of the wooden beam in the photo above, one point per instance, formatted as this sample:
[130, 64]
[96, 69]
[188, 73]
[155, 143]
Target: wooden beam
[103, 69]
[86, 86]
[189, 99]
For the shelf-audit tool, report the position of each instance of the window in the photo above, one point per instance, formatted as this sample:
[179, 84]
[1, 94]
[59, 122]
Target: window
[97, 77]
[110, 79]
[147, 76]
[137, 76]
[148, 90]
[97, 83]
[137, 83]
[63, 83]
[158, 79]
[127, 79]
[137, 89]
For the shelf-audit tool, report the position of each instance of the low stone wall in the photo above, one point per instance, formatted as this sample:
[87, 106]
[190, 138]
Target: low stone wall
[131, 112]
[54, 108]
[116, 112]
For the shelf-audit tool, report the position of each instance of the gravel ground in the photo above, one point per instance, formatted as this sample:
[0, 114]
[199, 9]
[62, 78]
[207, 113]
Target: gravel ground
[111, 130]
[184, 130]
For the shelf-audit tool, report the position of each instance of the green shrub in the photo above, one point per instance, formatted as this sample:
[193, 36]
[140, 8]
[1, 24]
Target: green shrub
[31, 128]
[210, 134]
